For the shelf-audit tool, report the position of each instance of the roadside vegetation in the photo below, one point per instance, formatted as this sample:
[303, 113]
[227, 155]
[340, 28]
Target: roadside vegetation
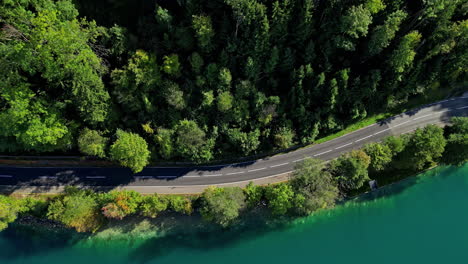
[202, 80]
[313, 186]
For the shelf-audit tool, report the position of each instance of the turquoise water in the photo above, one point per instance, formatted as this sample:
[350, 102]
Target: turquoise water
[421, 220]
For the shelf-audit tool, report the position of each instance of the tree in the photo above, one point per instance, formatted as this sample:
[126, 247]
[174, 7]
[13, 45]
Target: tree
[380, 155]
[350, 170]
[225, 100]
[171, 65]
[130, 150]
[284, 137]
[163, 138]
[203, 31]
[180, 204]
[196, 61]
[253, 194]
[382, 35]
[9, 209]
[78, 209]
[404, 54]
[119, 204]
[246, 142]
[91, 142]
[191, 141]
[425, 146]
[280, 198]
[152, 205]
[222, 205]
[174, 95]
[311, 181]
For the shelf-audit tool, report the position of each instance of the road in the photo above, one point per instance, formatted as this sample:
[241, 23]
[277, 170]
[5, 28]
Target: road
[195, 179]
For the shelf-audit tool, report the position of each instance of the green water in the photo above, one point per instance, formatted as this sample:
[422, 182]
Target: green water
[421, 220]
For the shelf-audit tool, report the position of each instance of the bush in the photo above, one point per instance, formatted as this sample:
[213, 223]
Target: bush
[92, 143]
[130, 150]
[222, 205]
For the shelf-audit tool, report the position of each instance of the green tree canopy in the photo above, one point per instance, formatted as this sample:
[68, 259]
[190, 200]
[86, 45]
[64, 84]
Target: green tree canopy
[91, 142]
[130, 150]
[350, 170]
[222, 205]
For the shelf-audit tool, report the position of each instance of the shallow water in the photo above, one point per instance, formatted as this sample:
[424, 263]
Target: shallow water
[421, 220]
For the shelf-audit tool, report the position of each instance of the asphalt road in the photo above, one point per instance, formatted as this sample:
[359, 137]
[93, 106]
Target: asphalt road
[438, 113]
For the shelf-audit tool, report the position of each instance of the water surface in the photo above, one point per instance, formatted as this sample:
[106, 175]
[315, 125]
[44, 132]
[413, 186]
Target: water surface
[421, 220]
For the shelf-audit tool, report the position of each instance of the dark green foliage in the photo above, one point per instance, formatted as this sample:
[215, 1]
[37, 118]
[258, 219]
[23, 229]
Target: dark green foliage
[425, 147]
[253, 194]
[350, 170]
[222, 205]
[311, 181]
[249, 75]
[380, 154]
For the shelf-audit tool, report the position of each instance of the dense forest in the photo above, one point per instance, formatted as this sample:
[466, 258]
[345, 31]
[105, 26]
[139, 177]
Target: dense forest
[205, 79]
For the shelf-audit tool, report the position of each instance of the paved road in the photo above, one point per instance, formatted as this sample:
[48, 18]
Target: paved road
[159, 179]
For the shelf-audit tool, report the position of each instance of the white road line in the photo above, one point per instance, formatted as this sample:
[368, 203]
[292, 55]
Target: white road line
[256, 169]
[96, 177]
[462, 107]
[363, 138]
[212, 175]
[300, 159]
[6, 176]
[401, 124]
[322, 153]
[382, 131]
[448, 110]
[444, 101]
[422, 117]
[47, 177]
[234, 173]
[144, 177]
[282, 164]
[191, 176]
[344, 145]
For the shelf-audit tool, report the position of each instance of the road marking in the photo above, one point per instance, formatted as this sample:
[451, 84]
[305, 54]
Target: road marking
[322, 153]
[256, 169]
[401, 124]
[444, 101]
[462, 107]
[96, 177]
[344, 145]
[144, 177]
[363, 138]
[282, 164]
[234, 173]
[300, 159]
[164, 177]
[191, 176]
[448, 110]
[212, 175]
[6, 176]
[422, 117]
[381, 131]
[47, 177]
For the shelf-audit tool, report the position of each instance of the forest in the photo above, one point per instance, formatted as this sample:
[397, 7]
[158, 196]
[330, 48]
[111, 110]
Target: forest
[198, 80]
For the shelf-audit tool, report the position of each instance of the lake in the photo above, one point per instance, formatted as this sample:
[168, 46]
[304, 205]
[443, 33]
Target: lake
[421, 220]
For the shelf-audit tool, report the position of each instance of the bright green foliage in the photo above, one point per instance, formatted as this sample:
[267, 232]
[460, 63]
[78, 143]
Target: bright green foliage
[380, 154]
[163, 138]
[350, 170]
[138, 77]
[222, 205]
[171, 65]
[180, 204]
[130, 150]
[253, 194]
[280, 198]
[79, 210]
[163, 17]
[191, 141]
[208, 98]
[152, 205]
[225, 78]
[9, 209]
[174, 95]
[246, 142]
[203, 31]
[404, 55]
[91, 142]
[382, 35]
[225, 101]
[119, 204]
[354, 24]
[311, 181]
[425, 147]
[375, 6]
[284, 137]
